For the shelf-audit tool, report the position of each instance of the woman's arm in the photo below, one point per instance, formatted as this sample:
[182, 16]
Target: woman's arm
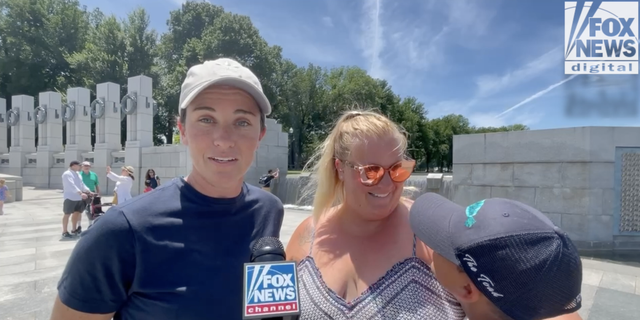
[116, 177]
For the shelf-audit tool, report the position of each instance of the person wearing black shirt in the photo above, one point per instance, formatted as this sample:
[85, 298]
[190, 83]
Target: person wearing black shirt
[265, 180]
[178, 252]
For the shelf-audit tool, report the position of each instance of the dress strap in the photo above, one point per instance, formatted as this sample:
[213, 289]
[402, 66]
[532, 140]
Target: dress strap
[414, 245]
[312, 237]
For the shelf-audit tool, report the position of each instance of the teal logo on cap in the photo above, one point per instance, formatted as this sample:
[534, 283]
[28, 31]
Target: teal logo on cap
[471, 211]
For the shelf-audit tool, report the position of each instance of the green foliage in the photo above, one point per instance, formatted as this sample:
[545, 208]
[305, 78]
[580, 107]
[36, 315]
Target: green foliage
[57, 44]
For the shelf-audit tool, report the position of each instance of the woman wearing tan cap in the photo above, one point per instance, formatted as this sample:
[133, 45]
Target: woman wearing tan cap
[124, 182]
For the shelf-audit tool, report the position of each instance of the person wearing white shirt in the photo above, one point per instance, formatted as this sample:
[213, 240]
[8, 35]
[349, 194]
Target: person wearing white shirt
[124, 182]
[75, 196]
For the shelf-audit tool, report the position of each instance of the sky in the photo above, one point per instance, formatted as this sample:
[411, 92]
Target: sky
[497, 62]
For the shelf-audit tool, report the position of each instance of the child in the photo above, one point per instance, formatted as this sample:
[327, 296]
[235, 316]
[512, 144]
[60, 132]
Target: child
[4, 194]
[147, 186]
[500, 258]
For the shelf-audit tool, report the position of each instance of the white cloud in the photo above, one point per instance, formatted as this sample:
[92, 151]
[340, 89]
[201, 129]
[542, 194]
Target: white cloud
[399, 46]
[372, 38]
[537, 95]
[327, 21]
[488, 85]
[493, 84]
[469, 17]
[490, 119]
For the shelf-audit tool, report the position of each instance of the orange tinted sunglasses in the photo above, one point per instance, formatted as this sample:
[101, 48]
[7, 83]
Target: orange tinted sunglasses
[371, 175]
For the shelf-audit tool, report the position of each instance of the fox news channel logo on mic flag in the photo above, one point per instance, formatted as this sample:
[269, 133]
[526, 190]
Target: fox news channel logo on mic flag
[270, 289]
[601, 37]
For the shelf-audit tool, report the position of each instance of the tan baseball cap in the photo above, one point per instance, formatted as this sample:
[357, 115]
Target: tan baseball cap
[128, 169]
[223, 71]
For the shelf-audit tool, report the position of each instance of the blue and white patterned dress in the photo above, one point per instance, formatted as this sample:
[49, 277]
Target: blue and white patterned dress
[408, 291]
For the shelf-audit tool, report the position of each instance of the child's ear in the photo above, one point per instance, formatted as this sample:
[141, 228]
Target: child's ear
[469, 294]
[466, 292]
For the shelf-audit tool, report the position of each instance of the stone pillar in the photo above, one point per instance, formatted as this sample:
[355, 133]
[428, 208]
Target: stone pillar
[23, 133]
[108, 123]
[107, 133]
[49, 120]
[78, 124]
[3, 126]
[272, 153]
[139, 125]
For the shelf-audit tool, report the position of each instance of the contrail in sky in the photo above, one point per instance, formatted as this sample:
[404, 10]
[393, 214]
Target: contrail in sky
[537, 95]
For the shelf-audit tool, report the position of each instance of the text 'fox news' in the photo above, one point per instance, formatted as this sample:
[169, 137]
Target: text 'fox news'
[271, 289]
[601, 37]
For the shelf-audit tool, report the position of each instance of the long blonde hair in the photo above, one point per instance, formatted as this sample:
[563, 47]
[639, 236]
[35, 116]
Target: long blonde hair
[353, 126]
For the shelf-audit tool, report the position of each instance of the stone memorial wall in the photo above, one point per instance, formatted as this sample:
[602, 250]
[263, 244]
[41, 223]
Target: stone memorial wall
[586, 179]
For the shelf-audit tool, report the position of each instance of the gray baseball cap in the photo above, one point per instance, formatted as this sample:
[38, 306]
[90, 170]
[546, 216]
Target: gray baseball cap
[515, 255]
[223, 71]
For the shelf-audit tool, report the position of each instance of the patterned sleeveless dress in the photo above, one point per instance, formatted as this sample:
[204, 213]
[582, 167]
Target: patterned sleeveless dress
[408, 291]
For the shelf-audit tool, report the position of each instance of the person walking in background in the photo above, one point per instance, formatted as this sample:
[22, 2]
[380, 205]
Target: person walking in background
[4, 194]
[265, 180]
[169, 252]
[90, 179]
[124, 183]
[154, 181]
[75, 196]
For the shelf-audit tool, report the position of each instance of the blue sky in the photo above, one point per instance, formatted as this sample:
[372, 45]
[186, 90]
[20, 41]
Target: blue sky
[478, 58]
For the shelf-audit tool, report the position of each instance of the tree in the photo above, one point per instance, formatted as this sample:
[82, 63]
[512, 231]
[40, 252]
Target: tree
[35, 39]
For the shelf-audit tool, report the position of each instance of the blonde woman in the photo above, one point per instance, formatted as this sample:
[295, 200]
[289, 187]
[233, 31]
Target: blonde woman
[124, 182]
[357, 252]
[358, 257]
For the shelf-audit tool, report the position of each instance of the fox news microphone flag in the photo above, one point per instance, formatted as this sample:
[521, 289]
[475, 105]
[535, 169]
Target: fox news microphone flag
[270, 288]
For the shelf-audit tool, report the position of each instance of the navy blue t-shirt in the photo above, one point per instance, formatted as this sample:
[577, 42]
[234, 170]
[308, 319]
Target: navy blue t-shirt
[173, 253]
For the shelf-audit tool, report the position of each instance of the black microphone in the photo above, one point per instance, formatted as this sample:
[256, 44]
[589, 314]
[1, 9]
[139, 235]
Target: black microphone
[268, 249]
[270, 288]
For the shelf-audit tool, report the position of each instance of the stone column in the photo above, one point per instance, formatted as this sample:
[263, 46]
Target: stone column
[49, 120]
[107, 133]
[22, 133]
[77, 116]
[139, 125]
[3, 126]
[272, 153]
[108, 122]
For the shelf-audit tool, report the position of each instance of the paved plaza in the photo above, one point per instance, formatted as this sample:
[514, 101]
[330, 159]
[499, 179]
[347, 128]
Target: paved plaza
[32, 258]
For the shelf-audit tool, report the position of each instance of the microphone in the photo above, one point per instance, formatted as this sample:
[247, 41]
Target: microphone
[270, 289]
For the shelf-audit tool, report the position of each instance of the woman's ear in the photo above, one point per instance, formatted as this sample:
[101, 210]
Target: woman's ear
[338, 165]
